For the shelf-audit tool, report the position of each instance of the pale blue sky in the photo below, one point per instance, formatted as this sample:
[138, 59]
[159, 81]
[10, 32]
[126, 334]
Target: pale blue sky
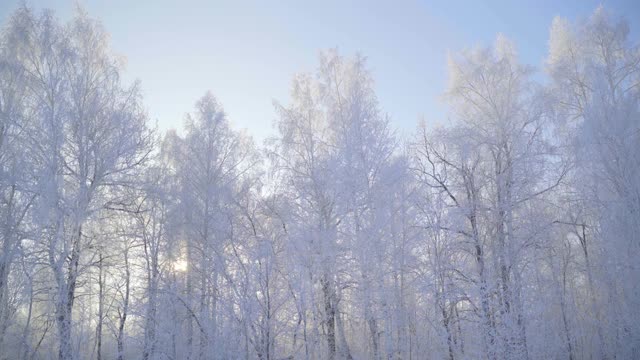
[246, 52]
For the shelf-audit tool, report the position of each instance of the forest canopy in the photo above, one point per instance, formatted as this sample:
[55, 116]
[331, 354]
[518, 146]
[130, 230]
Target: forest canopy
[510, 232]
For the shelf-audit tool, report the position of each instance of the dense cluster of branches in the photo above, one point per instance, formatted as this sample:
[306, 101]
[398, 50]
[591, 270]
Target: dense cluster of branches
[512, 232]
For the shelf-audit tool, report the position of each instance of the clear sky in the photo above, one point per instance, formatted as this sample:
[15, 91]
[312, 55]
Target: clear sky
[246, 52]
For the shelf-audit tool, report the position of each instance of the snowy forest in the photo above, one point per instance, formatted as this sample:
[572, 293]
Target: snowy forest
[509, 232]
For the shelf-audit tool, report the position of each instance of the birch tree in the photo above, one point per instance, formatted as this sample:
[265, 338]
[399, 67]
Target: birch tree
[595, 70]
[88, 136]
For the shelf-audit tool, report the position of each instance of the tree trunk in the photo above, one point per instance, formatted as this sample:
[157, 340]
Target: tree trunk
[330, 316]
[100, 308]
[64, 305]
[125, 306]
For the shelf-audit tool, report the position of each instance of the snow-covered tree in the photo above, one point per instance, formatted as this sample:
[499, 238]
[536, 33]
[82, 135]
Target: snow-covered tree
[510, 232]
[596, 72]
